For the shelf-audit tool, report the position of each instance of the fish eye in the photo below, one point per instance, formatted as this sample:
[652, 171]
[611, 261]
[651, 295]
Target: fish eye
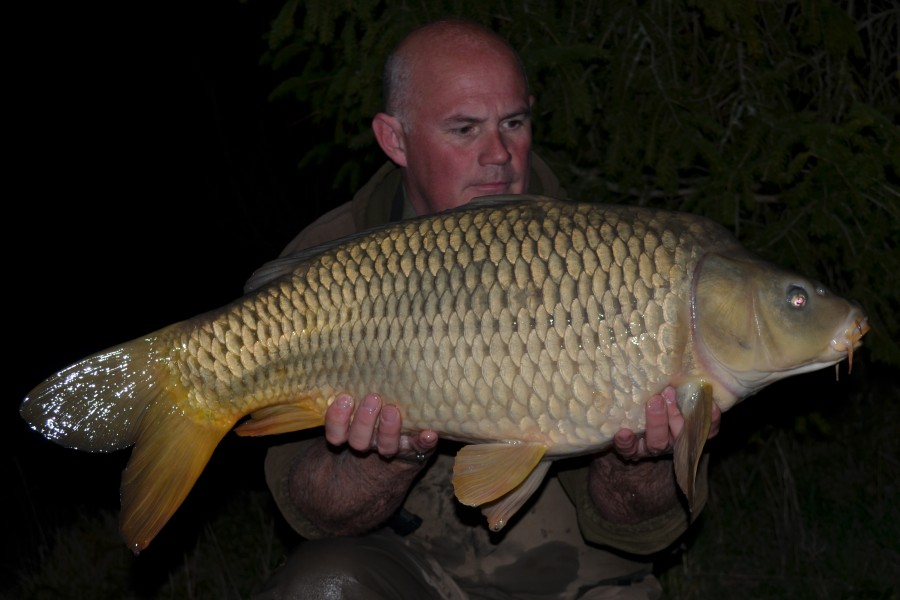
[797, 296]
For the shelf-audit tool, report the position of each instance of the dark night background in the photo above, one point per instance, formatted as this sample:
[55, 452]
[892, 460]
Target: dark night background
[151, 177]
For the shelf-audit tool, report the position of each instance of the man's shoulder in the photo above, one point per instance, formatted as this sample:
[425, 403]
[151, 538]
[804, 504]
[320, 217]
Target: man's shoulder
[371, 206]
[542, 180]
[336, 223]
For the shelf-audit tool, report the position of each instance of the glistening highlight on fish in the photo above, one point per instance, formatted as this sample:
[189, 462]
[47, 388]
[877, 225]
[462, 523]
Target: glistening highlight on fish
[529, 328]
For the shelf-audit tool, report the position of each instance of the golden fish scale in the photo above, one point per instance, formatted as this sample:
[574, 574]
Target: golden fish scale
[548, 322]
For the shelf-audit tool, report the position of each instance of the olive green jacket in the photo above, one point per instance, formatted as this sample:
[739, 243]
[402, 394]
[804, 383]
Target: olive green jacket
[381, 200]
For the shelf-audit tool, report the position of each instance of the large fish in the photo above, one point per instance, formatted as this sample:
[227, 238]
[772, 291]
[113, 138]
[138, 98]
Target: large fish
[530, 328]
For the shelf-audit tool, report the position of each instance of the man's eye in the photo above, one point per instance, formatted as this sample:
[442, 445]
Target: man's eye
[514, 124]
[465, 130]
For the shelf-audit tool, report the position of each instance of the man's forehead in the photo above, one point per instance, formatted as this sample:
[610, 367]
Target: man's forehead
[470, 108]
[481, 114]
[475, 96]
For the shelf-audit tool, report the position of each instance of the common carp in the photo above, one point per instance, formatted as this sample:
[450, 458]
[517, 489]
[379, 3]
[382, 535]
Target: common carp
[528, 328]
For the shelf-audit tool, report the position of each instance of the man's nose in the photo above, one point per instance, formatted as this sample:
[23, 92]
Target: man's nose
[494, 151]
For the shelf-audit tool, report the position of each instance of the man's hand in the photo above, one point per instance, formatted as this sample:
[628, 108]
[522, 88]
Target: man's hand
[358, 479]
[627, 490]
[664, 423]
[375, 426]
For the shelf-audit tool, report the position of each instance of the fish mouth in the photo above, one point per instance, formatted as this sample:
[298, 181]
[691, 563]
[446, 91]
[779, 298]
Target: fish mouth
[851, 338]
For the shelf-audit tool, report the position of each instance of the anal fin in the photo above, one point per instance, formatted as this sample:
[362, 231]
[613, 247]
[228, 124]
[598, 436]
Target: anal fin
[498, 512]
[282, 418]
[504, 475]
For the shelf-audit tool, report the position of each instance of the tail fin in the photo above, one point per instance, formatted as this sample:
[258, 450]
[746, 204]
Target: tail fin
[124, 396]
[97, 404]
[169, 454]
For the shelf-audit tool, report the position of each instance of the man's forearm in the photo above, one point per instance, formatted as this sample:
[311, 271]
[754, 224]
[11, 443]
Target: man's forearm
[630, 492]
[345, 493]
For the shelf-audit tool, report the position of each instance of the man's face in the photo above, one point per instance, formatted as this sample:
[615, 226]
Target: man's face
[467, 132]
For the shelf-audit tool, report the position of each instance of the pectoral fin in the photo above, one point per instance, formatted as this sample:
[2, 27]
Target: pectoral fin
[504, 475]
[695, 400]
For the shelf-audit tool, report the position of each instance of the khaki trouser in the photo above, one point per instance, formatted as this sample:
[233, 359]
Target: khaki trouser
[379, 567]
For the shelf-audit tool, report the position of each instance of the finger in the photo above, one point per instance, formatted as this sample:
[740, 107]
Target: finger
[419, 443]
[657, 433]
[387, 438]
[362, 427]
[337, 419]
[626, 443]
[426, 440]
[676, 419]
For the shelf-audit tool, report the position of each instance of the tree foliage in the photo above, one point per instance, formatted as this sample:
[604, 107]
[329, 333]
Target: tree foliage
[779, 119]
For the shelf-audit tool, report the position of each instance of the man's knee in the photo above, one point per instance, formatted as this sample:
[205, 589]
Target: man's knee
[370, 567]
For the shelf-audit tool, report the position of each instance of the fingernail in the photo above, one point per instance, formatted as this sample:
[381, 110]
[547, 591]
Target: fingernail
[390, 415]
[656, 404]
[669, 395]
[344, 402]
[371, 403]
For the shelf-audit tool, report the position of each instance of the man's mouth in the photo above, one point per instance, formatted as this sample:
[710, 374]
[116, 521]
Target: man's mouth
[492, 187]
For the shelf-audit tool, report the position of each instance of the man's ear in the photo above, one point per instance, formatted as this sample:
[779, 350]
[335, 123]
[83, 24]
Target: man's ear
[389, 133]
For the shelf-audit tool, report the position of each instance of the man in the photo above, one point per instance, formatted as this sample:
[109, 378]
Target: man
[377, 507]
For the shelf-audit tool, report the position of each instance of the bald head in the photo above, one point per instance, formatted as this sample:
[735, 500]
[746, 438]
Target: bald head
[437, 48]
[458, 120]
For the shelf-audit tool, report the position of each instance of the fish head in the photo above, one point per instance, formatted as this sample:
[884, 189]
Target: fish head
[755, 323]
